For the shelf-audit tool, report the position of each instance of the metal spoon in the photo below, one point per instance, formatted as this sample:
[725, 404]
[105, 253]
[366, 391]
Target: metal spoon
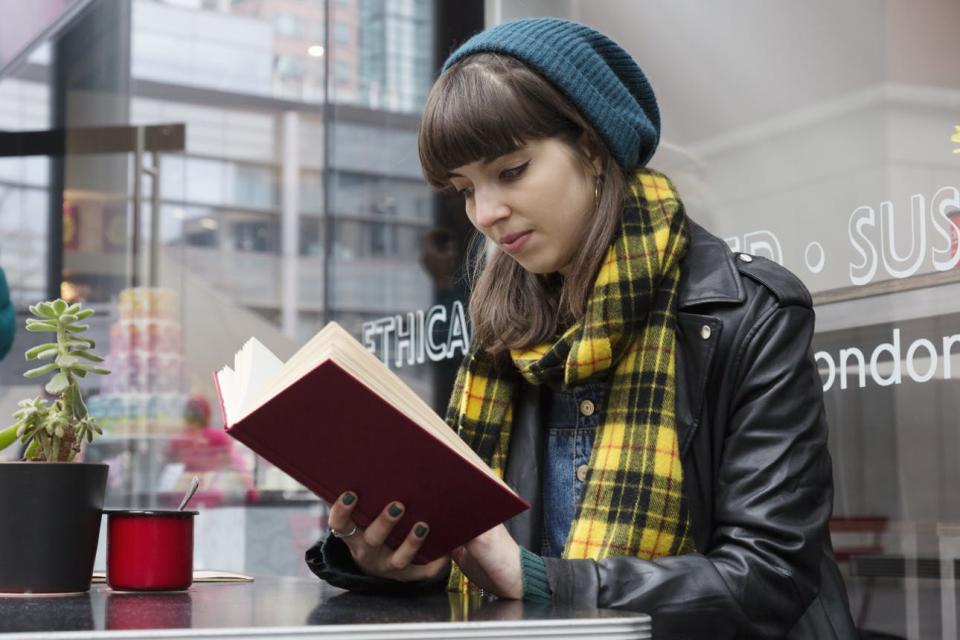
[194, 484]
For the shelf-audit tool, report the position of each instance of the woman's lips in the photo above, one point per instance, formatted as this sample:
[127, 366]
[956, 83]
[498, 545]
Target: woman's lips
[513, 243]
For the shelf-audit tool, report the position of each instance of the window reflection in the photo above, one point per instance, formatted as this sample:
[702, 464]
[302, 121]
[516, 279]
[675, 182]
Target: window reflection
[246, 78]
[863, 123]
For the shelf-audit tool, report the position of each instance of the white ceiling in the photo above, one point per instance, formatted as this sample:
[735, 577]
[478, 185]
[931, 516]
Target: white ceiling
[720, 65]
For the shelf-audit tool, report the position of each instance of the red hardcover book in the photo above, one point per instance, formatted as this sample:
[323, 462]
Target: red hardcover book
[335, 418]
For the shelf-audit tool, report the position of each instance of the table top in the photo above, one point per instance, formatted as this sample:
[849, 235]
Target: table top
[274, 607]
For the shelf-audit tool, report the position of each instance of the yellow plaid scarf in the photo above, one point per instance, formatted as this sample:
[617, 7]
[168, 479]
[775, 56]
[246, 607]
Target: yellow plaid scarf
[632, 503]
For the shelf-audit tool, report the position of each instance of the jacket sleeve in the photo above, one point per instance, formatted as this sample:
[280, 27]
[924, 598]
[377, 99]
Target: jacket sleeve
[772, 501]
[330, 560]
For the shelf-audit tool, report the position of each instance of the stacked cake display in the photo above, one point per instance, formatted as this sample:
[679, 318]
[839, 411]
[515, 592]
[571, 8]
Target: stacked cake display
[144, 392]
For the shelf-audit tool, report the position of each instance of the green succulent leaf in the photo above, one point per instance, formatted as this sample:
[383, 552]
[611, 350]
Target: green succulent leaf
[92, 368]
[34, 352]
[8, 436]
[40, 325]
[46, 310]
[76, 328]
[79, 408]
[67, 360]
[59, 305]
[32, 405]
[39, 371]
[68, 318]
[57, 384]
[86, 355]
[32, 449]
[74, 308]
[86, 313]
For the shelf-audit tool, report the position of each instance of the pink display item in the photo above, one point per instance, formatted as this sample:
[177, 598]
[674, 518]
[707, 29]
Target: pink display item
[147, 335]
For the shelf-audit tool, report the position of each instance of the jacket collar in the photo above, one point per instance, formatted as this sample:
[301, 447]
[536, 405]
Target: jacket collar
[708, 273]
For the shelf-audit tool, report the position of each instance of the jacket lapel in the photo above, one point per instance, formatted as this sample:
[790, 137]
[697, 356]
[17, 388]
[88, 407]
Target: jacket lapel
[708, 276]
[694, 356]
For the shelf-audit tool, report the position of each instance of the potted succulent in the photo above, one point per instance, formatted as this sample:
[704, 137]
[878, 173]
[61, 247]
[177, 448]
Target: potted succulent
[51, 505]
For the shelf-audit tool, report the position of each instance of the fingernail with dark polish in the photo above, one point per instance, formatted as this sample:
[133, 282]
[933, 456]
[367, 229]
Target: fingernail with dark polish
[394, 510]
[348, 498]
[421, 530]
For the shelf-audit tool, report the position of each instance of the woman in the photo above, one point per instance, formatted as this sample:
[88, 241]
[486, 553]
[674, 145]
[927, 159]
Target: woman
[651, 393]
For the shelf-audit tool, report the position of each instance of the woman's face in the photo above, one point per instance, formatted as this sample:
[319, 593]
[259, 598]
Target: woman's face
[534, 203]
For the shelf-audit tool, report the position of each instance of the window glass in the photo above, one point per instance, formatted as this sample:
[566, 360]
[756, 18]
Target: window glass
[285, 207]
[825, 139]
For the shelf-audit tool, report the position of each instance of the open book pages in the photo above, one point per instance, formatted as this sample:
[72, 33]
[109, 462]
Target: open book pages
[258, 376]
[253, 366]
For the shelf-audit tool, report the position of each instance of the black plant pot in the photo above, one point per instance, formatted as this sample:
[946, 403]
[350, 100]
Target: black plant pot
[49, 525]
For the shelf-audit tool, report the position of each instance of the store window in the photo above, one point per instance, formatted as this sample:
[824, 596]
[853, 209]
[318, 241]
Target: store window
[820, 136]
[252, 234]
[232, 227]
[837, 160]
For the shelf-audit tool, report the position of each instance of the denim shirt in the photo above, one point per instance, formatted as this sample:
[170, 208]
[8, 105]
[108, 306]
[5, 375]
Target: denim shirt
[572, 418]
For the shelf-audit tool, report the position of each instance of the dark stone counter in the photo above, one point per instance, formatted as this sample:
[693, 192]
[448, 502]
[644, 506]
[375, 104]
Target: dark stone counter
[298, 607]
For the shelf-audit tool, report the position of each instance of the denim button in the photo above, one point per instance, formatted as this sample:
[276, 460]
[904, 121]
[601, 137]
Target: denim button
[587, 408]
[705, 332]
[582, 473]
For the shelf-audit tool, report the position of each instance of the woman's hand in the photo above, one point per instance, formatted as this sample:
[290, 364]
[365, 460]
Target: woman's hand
[492, 562]
[368, 548]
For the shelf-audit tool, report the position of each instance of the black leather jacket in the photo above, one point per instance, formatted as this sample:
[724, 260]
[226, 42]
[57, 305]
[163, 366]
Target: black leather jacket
[757, 472]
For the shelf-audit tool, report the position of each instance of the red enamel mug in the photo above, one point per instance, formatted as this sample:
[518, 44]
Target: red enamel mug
[149, 550]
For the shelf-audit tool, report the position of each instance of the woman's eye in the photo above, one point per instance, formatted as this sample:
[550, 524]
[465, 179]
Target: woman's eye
[514, 172]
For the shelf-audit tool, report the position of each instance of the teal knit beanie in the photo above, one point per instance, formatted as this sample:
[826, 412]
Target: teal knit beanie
[596, 74]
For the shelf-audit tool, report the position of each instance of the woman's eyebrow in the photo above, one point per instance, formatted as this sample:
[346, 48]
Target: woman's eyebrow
[485, 162]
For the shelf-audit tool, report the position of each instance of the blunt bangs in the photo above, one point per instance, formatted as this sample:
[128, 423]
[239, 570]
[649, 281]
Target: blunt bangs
[481, 108]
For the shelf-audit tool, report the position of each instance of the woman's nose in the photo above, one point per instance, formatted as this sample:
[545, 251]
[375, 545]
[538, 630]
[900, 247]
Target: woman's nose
[489, 208]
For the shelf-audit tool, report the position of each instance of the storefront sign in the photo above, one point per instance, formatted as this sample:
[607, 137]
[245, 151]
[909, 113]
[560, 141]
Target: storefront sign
[875, 237]
[920, 363]
[418, 336]
[880, 243]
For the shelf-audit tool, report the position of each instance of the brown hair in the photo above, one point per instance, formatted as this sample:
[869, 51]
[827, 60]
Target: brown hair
[481, 108]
